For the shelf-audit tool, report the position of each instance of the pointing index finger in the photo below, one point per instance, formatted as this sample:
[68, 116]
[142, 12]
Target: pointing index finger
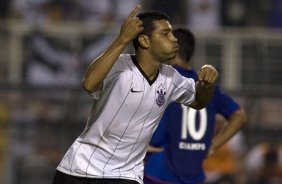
[134, 11]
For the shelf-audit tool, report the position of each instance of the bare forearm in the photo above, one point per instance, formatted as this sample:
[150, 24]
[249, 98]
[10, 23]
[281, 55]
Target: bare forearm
[203, 95]
[234, 125]
[153, 149]
[98, 69]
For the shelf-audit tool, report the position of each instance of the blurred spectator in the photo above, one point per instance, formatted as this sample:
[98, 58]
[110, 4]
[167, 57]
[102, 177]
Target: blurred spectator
[257, 11]
[93, 49]
[93, 11]
[22, 134]
[204, 15]
[176, 9]
[4, 124]
[222, 167]
[51, 64]
[275, 14]
[61, 10]
[122, 7]
[4, 9]
[264, 164]
[86, 11]
[34, 144]
[29, 10]
[100, 41]
[233, 13]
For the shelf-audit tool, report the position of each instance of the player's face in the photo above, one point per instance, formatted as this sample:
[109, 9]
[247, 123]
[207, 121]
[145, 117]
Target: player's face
[163, 44]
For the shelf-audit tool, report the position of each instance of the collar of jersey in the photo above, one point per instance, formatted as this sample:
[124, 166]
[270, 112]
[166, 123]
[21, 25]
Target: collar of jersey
[133, 58]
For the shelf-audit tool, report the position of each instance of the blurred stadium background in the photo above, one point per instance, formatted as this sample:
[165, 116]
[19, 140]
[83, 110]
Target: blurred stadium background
[45, 46]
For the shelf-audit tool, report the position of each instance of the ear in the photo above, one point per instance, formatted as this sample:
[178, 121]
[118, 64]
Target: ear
[144, 41]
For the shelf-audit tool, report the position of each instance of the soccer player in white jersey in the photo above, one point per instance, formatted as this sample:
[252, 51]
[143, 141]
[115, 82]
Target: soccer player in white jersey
[130, 94]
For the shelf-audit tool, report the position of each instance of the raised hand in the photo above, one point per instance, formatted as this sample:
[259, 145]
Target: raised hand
[131, 27]
[207, 75]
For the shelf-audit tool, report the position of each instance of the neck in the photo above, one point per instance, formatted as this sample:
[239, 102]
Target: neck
[177, 61]
[149, 66]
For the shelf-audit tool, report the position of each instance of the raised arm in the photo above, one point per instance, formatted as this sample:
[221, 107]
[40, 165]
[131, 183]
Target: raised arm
[100, 67]
[204, 87]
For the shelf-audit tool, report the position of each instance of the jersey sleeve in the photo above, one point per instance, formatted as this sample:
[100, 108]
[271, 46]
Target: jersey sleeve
[184, 89]
[226, 104]
[112, 76]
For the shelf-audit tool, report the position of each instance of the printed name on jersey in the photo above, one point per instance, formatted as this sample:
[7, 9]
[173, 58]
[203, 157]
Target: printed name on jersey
[192, 146]
[161, 92]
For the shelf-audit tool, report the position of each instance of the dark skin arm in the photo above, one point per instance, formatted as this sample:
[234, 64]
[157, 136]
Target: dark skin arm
[154, 149]
[234, 124]
[98, 69]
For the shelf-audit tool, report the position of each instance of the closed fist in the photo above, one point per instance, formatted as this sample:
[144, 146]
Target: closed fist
[207, 75]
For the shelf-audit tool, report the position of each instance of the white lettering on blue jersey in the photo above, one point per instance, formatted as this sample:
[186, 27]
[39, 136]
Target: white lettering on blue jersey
[192, 146]
[189, 123]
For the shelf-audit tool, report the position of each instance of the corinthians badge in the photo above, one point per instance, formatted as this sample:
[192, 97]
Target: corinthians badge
[161, 91]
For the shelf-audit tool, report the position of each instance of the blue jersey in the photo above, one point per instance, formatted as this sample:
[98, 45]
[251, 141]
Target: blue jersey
[186, 135]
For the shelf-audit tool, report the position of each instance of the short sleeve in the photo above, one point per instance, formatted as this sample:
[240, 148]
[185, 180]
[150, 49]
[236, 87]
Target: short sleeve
[226, 104]
[184, 89]
[112, 76]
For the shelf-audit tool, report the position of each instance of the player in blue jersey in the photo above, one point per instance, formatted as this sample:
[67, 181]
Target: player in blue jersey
[184, 136]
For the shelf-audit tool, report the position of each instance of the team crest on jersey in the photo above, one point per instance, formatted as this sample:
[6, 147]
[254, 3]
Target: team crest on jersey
[161, 91]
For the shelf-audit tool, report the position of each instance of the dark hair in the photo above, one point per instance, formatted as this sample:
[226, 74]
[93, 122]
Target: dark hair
[186, 41]
[148, 19]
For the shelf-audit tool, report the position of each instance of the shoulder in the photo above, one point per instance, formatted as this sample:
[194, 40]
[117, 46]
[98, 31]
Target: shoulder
[124, 58]
[218, 92]
[169, 71]
[176, 79]
[123, 61]
[174, 75]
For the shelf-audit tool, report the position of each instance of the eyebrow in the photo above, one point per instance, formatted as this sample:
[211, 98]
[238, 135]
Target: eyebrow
[165, 30]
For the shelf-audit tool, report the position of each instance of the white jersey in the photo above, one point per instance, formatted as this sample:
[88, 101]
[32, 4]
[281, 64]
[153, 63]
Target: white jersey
[124, 115]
